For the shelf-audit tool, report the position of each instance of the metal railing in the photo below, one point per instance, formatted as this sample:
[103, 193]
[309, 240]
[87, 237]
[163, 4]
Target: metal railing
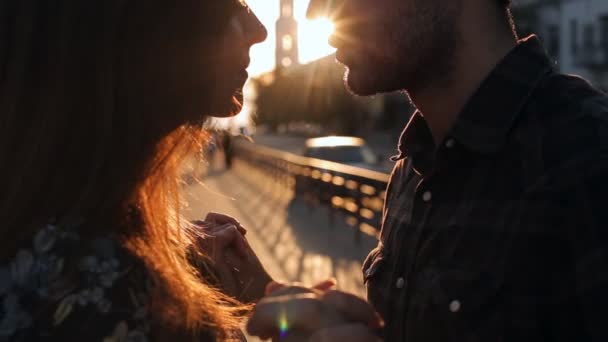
[354, 194]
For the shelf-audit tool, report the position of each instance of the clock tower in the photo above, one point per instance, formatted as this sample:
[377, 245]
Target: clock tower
[287, 37]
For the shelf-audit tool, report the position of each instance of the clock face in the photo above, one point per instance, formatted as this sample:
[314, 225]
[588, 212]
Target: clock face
[287, 36]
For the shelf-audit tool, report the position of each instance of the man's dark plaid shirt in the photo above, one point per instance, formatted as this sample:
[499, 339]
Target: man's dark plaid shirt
[500, 233]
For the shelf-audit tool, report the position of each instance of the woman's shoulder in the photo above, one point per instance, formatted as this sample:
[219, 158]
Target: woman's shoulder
[64, 286]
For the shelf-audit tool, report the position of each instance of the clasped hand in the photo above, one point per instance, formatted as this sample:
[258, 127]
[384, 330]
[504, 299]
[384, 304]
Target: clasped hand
[290, 313]
[237, 268]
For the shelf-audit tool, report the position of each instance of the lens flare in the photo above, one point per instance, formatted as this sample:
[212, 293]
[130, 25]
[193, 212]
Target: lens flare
[313, 36]
[283, 325]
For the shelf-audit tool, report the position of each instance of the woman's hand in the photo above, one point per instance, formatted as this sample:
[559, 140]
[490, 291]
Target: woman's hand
[240, 272]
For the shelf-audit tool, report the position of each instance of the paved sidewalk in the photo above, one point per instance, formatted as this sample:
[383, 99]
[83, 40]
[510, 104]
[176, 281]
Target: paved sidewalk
[293, 241]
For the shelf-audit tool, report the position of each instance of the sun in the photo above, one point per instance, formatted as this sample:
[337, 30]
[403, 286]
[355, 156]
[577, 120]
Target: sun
[313, 36]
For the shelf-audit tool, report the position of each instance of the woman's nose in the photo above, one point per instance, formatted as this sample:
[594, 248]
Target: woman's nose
[255, 30]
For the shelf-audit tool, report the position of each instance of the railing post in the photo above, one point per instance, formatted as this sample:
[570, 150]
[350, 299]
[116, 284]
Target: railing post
[328, 197]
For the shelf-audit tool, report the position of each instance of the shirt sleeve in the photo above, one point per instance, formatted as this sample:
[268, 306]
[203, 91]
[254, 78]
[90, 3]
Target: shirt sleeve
[579, 286]
[589, 244]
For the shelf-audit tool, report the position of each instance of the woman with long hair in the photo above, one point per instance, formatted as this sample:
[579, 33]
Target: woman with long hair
[99, 102]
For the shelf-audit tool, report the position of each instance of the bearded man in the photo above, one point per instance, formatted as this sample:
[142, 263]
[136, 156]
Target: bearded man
[495, 227]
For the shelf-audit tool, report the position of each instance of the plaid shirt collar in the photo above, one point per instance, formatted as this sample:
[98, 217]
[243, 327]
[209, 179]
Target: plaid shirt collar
[485, 123]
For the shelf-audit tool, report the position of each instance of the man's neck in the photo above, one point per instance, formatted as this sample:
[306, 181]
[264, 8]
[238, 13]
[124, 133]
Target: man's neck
[442, 102]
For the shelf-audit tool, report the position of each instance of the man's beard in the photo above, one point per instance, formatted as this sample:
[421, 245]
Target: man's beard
[417, 54]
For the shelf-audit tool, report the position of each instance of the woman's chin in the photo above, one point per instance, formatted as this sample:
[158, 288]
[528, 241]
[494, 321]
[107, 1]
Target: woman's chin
[228, 108]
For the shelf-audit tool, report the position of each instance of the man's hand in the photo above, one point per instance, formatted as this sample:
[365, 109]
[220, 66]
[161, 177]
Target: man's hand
[295, 313]
[240, 273]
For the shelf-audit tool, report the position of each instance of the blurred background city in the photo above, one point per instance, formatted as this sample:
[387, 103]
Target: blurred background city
[305, 164]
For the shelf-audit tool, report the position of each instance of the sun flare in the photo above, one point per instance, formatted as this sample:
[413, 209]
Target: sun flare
[313, 36]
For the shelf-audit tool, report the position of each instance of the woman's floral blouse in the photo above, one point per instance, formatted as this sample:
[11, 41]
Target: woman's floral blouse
[61, 287]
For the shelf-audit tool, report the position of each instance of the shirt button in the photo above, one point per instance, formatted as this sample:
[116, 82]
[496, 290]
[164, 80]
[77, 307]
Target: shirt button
[400, 283]
[427, 196]
[450, 143]
[455, 306]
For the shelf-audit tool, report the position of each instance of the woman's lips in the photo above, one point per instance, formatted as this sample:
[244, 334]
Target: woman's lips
[242, 77]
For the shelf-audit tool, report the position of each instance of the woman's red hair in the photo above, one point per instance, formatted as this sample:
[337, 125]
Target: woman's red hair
[70, 148]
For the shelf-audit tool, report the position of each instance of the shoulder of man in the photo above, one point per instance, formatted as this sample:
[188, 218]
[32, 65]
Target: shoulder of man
[564, 126]
[401, 173]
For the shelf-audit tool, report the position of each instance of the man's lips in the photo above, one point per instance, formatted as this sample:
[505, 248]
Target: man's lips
[337, 43]
[340, 56]
[345, 51]
[346, 55]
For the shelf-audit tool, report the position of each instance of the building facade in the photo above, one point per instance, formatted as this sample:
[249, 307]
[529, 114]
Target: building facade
[574, 32]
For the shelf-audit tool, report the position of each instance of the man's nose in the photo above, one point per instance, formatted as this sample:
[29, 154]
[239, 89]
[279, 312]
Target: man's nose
[323, 8]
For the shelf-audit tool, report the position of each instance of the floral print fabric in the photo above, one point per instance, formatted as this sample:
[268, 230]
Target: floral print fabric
[62, 287]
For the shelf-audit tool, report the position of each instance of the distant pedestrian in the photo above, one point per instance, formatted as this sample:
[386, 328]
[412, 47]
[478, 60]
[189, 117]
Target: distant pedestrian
[227, 146]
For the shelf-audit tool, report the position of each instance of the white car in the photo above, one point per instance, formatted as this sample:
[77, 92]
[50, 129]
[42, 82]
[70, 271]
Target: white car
[345, 150]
